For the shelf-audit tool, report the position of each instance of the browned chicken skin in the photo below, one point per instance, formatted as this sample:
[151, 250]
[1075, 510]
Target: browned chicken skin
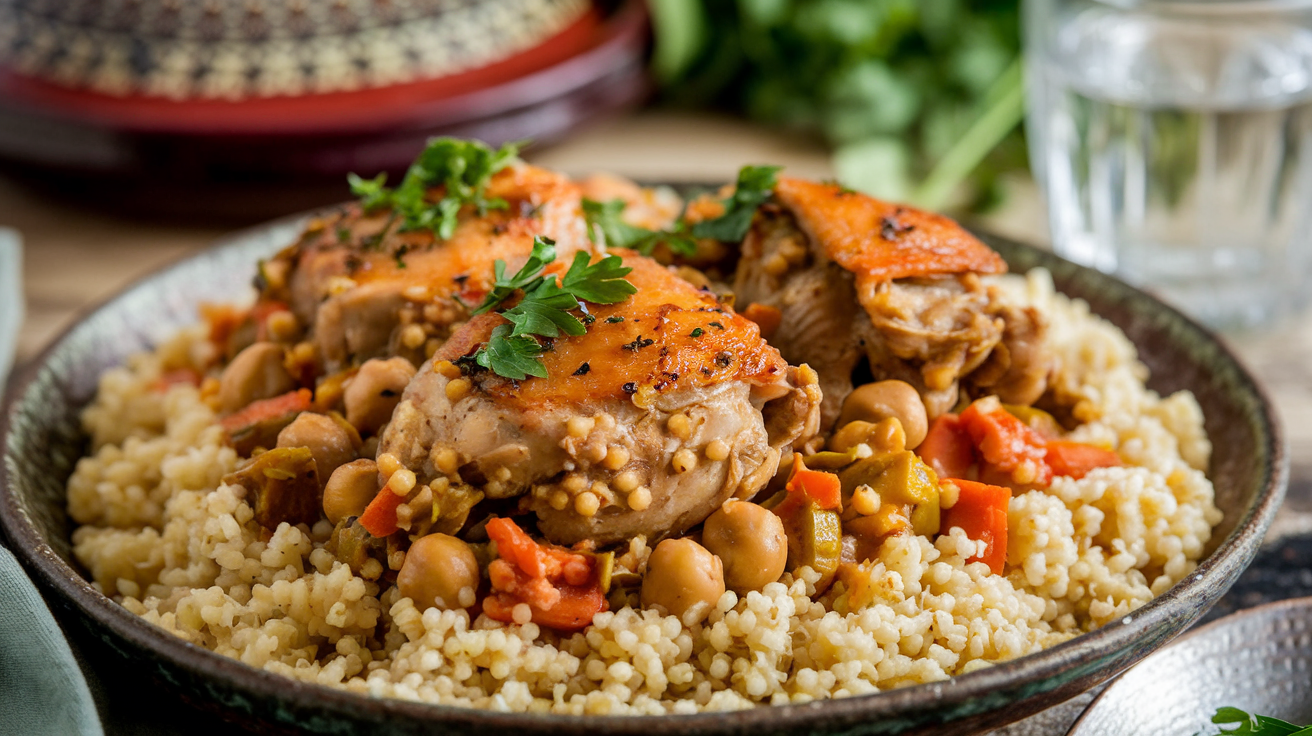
[644, 426]
[858, 279]
[358, 291]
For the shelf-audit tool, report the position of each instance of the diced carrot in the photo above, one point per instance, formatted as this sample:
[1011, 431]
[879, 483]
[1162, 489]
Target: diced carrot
[1002, 439]
[379, 517]
[765, 316]
[981, 512]
[258, 411]
[1076, 459]
[560, 587]
[825, 489]
[516, 547]
[947, 447]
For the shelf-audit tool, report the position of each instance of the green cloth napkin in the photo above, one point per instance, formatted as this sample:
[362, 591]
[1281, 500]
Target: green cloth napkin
[42, 690]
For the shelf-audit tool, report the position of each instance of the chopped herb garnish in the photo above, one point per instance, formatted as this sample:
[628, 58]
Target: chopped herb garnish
[1255, 725]
[890, 229]
[755, 184]
[698, 332]
[545, 308]
[606, 218]
[614, 320]
[511, 356]
[462, 167]
[343, 234]
[723, 360]
[399, 255]
[583, 370]
[716, 325]
[638, 343]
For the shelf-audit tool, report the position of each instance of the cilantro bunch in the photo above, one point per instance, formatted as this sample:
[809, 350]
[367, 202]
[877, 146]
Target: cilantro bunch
[462, 167]
[546, 307]
[921, 100]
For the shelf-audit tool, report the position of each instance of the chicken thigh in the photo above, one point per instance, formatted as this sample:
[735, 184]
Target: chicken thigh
[669, 405]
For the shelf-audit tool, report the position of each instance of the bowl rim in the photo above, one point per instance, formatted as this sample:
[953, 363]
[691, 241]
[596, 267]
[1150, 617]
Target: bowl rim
[1230, 619]
[968, 692]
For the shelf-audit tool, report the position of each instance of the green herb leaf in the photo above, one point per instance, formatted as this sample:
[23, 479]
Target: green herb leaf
[607, 218]
[462, 167]
[511, 356]
[546, 307]
[371, 192]
[544, 252]
[1255, 725]
[601, 282]
[755, 184]
[545, 311]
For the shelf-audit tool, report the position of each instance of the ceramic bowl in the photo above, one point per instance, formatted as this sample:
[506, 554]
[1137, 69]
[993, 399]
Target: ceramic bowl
[42, 440]
[1256, 660]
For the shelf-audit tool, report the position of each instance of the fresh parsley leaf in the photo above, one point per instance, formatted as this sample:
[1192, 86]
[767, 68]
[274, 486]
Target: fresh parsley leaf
[528, 276]
[511, 356]
[755, 184]
[546, 307]
[371, 192]
[601, 282]
[545, 311]
[606, 217]
[462, 167]
[1255, 725]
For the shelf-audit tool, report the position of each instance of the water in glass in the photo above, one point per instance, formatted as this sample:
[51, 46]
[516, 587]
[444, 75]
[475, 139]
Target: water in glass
[1174, 144]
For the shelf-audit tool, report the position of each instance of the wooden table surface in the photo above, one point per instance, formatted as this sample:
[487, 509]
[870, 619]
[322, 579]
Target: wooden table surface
[74, 258]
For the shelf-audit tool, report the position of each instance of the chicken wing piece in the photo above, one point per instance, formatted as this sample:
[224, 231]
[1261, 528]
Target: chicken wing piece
[860, 281]
[357, 280]
[669, 405]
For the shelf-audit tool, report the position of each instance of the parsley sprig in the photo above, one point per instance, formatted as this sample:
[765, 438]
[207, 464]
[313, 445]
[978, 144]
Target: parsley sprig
[607, 217]
[546, 307]
[754, 186]
[462, 167]
[1254, 725]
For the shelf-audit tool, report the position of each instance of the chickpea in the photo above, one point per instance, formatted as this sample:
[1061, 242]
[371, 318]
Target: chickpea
[329, 442]
[886, 435]
[884, 399]
[350, 489]
[256, 373]
[441, 571]
[683, 576]
[372, 395]
[750, 541]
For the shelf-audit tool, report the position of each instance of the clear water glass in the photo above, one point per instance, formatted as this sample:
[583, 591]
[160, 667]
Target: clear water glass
[1173, 143]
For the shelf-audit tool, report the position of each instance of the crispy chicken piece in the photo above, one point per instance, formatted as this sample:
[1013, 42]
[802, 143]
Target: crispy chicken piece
[358, 291]
[669, 405]
[857, 279]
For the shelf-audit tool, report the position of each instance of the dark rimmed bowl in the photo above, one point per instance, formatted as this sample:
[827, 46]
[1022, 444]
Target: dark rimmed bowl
[42, 441]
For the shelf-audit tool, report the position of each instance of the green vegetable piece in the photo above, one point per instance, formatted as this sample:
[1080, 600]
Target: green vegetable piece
[754, 187]
[815, 539]
[900, 478]
[605, 569]
[831, 460]
[282, 485]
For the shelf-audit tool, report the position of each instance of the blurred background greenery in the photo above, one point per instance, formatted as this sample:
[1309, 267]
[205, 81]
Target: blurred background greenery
[919, 100]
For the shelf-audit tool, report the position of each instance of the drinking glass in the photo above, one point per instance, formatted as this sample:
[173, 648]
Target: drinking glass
[1173, 143]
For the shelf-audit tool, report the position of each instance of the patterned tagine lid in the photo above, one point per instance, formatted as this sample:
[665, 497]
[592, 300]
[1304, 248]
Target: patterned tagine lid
[270, 89]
